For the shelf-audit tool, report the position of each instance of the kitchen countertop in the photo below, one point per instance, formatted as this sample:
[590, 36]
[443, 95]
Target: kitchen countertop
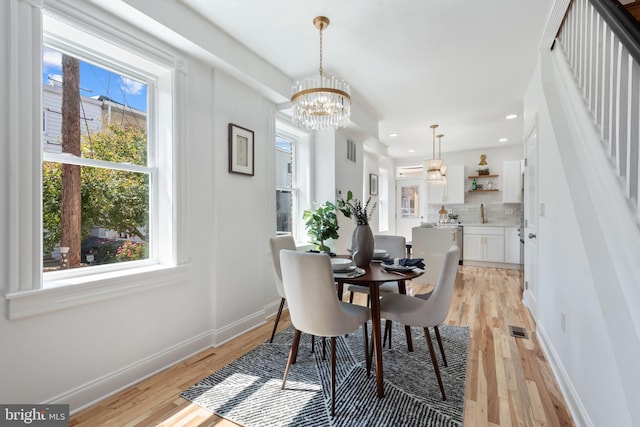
[490, 224]
[465, 224]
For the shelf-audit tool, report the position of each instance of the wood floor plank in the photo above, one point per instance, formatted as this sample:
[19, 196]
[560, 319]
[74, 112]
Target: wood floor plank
[509, 382]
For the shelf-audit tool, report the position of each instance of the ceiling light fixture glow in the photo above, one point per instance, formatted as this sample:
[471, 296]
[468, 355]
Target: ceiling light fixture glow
[511, 116]
[321, 104]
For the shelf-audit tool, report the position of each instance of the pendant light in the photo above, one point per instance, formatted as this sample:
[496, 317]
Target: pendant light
[443, 167]
[433, 166]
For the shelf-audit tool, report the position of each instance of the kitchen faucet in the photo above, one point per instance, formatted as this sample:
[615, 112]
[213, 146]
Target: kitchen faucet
[484, 220]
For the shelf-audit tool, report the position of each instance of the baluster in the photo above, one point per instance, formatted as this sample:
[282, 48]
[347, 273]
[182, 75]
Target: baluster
[623, 111]
[633, 129]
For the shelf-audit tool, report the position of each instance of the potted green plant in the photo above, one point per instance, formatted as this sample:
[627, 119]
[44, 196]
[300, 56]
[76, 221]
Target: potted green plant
[321, 224]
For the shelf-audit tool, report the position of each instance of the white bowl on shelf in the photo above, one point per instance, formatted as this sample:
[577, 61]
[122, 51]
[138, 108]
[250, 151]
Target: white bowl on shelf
[340, 264]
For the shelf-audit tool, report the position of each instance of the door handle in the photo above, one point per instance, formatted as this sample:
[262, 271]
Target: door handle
[532, 236]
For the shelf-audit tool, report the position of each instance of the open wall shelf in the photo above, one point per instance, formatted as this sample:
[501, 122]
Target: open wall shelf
[483, 176]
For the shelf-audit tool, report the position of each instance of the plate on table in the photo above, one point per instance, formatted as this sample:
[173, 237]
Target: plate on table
[380, 254]
[341, 264]
[398, 268]
[348, 269]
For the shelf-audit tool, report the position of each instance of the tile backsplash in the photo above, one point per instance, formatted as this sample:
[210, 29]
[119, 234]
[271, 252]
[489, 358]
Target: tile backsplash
[495, 211]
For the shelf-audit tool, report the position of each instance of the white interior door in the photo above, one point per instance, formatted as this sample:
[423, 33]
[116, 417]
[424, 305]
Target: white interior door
[531, 219]
[410, 205]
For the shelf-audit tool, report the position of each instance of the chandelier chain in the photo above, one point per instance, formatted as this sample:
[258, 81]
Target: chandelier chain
[321, 27]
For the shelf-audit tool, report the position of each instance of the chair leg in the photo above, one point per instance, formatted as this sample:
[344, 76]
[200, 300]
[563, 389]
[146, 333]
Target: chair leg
[427, 335]
[313, 343]
[444, 358]
[324, 348]
[371, 351]
[387, 333]
[365, 340]
[350, 297]
[293, 353]
[407, 333]
[275, 325]
[333, 376]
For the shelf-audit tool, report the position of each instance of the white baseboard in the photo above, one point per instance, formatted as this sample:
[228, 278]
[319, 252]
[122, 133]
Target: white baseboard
[272, 308]
[238, 328]
[100, 388]
[574, 404]
[92, 392]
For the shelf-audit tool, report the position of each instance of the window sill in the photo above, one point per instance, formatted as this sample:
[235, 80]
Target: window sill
[66, 293]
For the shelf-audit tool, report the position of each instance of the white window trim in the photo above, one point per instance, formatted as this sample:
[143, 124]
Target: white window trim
[303, 168]
[293, 188]
[25, 293]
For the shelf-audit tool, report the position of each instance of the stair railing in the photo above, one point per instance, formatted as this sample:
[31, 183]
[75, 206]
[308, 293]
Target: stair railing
[601, 42]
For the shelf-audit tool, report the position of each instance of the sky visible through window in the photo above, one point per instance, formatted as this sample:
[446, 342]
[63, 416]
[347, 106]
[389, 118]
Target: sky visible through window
[96, 81]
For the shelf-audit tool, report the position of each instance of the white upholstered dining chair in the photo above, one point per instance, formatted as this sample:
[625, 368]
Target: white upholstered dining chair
[429, 312]
[314, 307]
[277, 244]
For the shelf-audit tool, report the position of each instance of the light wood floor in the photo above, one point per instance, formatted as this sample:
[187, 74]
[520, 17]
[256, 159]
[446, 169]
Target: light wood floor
[509, 382]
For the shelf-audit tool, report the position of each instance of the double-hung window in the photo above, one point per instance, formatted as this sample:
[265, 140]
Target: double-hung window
[286, 193]
[107, 142]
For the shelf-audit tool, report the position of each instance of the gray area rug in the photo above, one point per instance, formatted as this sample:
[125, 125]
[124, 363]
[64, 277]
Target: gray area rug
[248, 392]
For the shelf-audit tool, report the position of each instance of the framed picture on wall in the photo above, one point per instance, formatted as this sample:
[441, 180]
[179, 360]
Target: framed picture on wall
[240, 150]
[373, 184]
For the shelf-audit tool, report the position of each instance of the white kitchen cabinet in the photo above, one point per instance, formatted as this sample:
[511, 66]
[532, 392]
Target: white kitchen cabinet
[511, 245]
[512, 181]
[452, 192]
[472, 247]
[483, 244]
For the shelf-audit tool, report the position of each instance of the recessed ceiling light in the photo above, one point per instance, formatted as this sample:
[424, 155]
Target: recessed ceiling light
[511, 116]
[503, 140]
[393, 135]
[412, 151]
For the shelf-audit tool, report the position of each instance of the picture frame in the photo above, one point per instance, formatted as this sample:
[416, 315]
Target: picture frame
[241, 150]
[373, 184]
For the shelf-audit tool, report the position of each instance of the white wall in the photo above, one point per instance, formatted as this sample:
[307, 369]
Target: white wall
[243, 208]
[81, 354]
[348, 177]
[577, 270]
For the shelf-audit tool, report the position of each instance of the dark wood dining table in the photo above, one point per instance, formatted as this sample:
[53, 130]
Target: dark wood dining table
[374, 276]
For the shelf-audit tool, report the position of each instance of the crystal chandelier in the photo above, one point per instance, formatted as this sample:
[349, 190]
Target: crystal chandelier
[433, 166]
[324, 103]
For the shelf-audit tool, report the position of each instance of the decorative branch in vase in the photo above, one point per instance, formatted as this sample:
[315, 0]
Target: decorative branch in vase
[362, 239]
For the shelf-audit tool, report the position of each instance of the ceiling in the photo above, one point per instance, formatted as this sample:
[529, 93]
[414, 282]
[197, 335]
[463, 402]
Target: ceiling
[463, 64]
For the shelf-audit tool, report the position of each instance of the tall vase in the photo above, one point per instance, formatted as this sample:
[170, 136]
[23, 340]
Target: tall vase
[362, 246]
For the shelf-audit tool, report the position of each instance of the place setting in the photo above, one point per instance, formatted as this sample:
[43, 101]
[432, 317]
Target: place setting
[402, 265]
[344, 268]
